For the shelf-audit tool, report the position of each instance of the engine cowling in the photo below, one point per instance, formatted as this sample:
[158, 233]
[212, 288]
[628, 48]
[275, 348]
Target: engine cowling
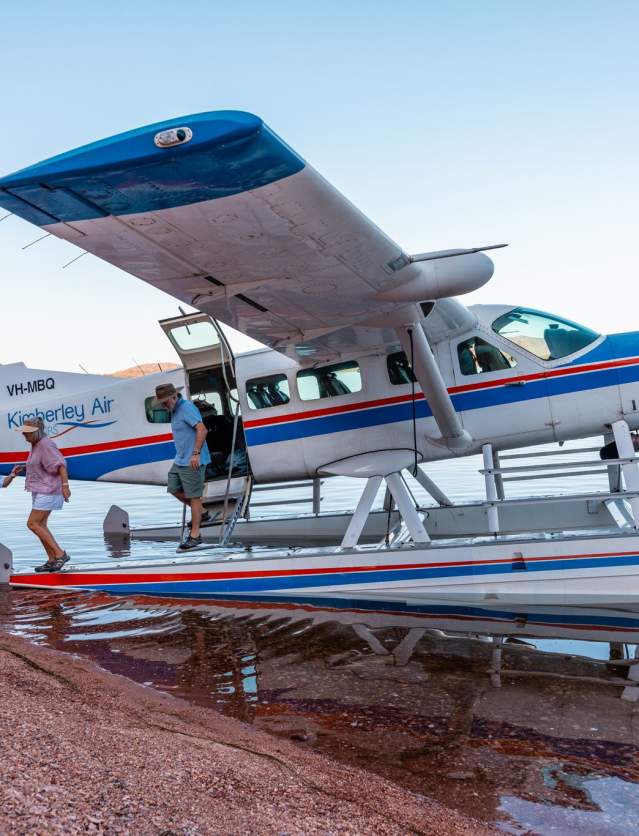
[442, 277]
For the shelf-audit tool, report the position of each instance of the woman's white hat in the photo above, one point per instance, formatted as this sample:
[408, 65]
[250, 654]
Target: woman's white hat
[31, 425]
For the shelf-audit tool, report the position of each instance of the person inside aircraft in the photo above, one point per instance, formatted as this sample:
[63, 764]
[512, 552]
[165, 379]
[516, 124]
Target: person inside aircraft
[477, 356]
[399, 370]
[609, 451]
[215, 438]
[219, 440]
[466, 353]
[489, 358]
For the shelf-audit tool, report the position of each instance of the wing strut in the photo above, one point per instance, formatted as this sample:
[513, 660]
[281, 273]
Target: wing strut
[429, 377]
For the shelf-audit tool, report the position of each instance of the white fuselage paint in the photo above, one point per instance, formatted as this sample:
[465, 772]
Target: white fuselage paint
[101, 424]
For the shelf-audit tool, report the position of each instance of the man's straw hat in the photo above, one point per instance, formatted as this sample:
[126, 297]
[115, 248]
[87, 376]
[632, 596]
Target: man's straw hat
[165, 391]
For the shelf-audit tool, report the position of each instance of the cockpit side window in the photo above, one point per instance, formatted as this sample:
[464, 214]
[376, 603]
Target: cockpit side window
[399, 370]
[263, 392]
[156, 414]
[476, 356]
[547, 337]
[329, 381]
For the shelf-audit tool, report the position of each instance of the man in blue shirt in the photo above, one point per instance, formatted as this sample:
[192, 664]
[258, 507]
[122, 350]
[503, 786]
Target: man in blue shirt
[186, 476]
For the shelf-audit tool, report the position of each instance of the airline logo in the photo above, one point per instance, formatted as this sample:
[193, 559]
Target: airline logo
[89, 414]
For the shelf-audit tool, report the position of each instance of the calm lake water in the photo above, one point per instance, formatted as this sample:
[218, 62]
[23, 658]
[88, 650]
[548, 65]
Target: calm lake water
[402, 691]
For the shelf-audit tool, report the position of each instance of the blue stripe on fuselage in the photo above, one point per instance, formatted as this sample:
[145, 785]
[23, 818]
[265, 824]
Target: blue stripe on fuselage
[90, 466]
[619, 346]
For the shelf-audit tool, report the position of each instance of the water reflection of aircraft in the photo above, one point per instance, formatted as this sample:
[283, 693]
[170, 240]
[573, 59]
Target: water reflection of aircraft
[570, 623]
[402, 690]
[371, 365]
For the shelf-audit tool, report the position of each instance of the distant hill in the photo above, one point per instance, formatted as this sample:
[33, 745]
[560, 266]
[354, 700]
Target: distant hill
[145, 368]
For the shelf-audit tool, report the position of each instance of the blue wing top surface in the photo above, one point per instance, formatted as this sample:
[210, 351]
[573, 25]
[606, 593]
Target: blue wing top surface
[231, 221]
[230, 152]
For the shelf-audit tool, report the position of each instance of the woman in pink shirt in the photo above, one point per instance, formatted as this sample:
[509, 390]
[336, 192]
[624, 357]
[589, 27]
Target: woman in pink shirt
[48, 482]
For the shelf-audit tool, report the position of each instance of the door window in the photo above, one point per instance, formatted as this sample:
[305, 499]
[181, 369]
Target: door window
[329, 381]
[194, 336]
[399, 370]
[476, 356]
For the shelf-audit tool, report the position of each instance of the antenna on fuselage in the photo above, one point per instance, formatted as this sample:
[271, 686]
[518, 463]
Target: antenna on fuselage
[140, 369]
[83, 369]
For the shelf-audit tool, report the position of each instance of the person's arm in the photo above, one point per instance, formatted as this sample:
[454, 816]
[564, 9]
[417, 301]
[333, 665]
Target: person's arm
[200, 439]
[64, 475]
[14, 472]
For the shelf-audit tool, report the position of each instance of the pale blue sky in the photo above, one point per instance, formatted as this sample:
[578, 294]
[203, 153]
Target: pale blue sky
[449, 123]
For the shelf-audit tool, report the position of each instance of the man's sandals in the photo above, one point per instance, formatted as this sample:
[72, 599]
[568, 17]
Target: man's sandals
[53, 565]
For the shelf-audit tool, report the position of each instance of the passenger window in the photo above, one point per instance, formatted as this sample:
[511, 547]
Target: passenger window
[547, 337]
[329, 381]
[399, 370]
[476, 356]
[263, 392]
[156, 414]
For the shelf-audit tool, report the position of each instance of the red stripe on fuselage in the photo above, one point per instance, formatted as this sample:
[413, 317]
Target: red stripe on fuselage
[94, 448]
[453, 390]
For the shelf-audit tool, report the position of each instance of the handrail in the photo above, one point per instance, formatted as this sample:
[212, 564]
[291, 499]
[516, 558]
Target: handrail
[315, 497]
[504, 456]
[280, 502]
[286, 486]
[557, 466]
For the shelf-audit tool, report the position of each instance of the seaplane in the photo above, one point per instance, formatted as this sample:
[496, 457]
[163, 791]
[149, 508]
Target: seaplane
[371, 369]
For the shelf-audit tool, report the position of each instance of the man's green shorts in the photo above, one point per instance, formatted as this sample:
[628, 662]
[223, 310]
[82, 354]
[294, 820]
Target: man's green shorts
[187, 481]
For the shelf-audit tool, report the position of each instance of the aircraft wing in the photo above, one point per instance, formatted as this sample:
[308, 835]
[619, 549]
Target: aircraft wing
[219, 212]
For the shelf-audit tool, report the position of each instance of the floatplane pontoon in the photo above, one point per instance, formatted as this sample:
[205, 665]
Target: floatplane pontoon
[371, 370]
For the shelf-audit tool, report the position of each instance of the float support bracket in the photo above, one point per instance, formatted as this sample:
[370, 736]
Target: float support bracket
[491, 488]
[430, 487]
[630, 471]
[405, 506]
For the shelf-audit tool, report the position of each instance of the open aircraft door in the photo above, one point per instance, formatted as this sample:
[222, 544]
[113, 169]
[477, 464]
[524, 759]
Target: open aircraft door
[209, 373]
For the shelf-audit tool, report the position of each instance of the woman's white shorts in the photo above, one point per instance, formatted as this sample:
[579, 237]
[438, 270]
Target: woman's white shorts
[47, 501]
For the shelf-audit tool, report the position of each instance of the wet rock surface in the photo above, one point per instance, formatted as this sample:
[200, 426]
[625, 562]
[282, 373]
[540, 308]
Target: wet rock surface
[412, 706]
[84, 751]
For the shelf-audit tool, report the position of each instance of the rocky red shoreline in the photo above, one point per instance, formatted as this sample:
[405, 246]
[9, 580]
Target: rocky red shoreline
[86, 751]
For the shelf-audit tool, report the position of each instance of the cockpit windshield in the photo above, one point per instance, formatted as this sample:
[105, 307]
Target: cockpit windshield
[547, 337]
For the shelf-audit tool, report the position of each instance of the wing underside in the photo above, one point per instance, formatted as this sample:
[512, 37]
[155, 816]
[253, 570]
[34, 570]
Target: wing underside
[230, 221]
